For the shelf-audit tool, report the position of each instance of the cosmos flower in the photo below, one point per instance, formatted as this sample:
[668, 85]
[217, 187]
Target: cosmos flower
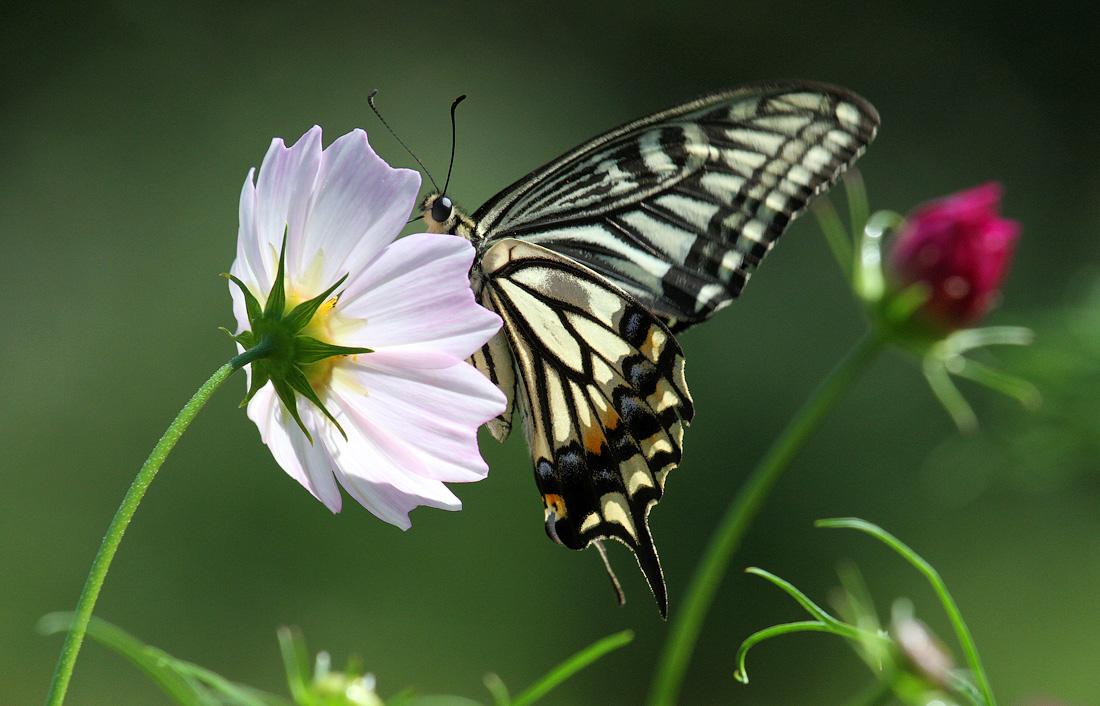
[960, 249]
[363, 380]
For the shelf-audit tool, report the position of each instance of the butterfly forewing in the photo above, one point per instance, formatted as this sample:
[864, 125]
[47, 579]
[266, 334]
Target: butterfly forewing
[602, 391]
[677, 208]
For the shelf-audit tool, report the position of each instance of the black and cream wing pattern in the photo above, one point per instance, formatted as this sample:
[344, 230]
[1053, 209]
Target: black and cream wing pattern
[596, 259]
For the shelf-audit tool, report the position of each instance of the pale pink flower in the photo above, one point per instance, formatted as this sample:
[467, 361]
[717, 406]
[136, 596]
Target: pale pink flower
[411, 407]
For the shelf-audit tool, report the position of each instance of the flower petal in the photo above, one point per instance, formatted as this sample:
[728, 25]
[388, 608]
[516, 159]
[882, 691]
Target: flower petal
[416, 297]
[360, 205]
[374, 469]
[305, 463]
[283, 191]
[432, 414]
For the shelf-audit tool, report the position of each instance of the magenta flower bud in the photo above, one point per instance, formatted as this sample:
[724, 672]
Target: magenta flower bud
[960, 248]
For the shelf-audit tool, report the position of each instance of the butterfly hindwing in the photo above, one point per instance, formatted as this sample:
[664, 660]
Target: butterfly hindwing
[678, 207]
[600, 385]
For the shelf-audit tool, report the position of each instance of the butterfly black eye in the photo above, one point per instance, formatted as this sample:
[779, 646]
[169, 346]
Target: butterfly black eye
[441, 209]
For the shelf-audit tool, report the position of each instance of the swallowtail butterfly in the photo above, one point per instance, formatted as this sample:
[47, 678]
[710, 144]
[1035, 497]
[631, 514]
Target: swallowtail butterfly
[596, 259]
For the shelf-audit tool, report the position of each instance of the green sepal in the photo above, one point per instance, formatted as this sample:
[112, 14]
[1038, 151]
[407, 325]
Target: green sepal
[276, 300]
[296, 379]
[309, 350]
[260, 377]
[302, 314]
[251, 304]
[245, 338]
[286, 394]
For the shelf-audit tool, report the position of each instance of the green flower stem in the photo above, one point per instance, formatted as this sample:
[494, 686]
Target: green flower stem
[122, 518]
[673, 661]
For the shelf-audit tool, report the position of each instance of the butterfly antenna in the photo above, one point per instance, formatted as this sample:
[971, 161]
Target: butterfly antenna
[370, 101]
[611, 574]
[453, 133]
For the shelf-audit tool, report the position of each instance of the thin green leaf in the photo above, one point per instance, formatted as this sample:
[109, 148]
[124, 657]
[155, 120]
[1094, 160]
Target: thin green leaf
[292, 647]
[835, 234]
[182, 681]
[957, 682]
[859, 208]
[962, 632]
[573, 665]
[862, 606]
[238, 694]
[741, 674]
[148, 659]
[812, 608]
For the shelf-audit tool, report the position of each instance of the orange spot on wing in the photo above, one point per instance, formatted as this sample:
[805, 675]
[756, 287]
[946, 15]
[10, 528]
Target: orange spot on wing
[554, 502]
[592, 439]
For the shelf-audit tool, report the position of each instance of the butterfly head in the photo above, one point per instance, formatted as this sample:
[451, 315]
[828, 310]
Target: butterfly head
[442, 216]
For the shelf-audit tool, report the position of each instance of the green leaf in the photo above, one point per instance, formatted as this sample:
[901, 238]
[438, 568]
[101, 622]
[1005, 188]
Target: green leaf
[835, 234]
[148, 659]
[309, 350]
[962, 632]
[811, 607]
[185, 683]
[292, 647]
[741, 674]
[302, 314]
[859, 208]
[571, 666]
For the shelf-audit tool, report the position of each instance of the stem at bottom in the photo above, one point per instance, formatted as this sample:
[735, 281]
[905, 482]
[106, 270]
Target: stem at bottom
[125, 512]
[673, 662]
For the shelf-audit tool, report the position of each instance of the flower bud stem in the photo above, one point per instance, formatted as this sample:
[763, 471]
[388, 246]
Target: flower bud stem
[673, 662]
[122, 518]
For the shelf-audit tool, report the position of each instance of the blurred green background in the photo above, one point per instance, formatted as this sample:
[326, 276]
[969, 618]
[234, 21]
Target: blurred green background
[127, 129]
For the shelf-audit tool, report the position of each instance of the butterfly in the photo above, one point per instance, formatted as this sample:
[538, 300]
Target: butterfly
[595, 260]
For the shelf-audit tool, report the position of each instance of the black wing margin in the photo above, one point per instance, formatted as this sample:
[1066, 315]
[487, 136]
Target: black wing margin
[679, 207]
[600, 384]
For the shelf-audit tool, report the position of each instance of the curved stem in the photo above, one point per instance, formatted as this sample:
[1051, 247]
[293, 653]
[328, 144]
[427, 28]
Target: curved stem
[674, 659]
[122, 518]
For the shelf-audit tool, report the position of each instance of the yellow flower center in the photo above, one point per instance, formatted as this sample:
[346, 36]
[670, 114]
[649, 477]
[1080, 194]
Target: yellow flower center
[328, 325]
